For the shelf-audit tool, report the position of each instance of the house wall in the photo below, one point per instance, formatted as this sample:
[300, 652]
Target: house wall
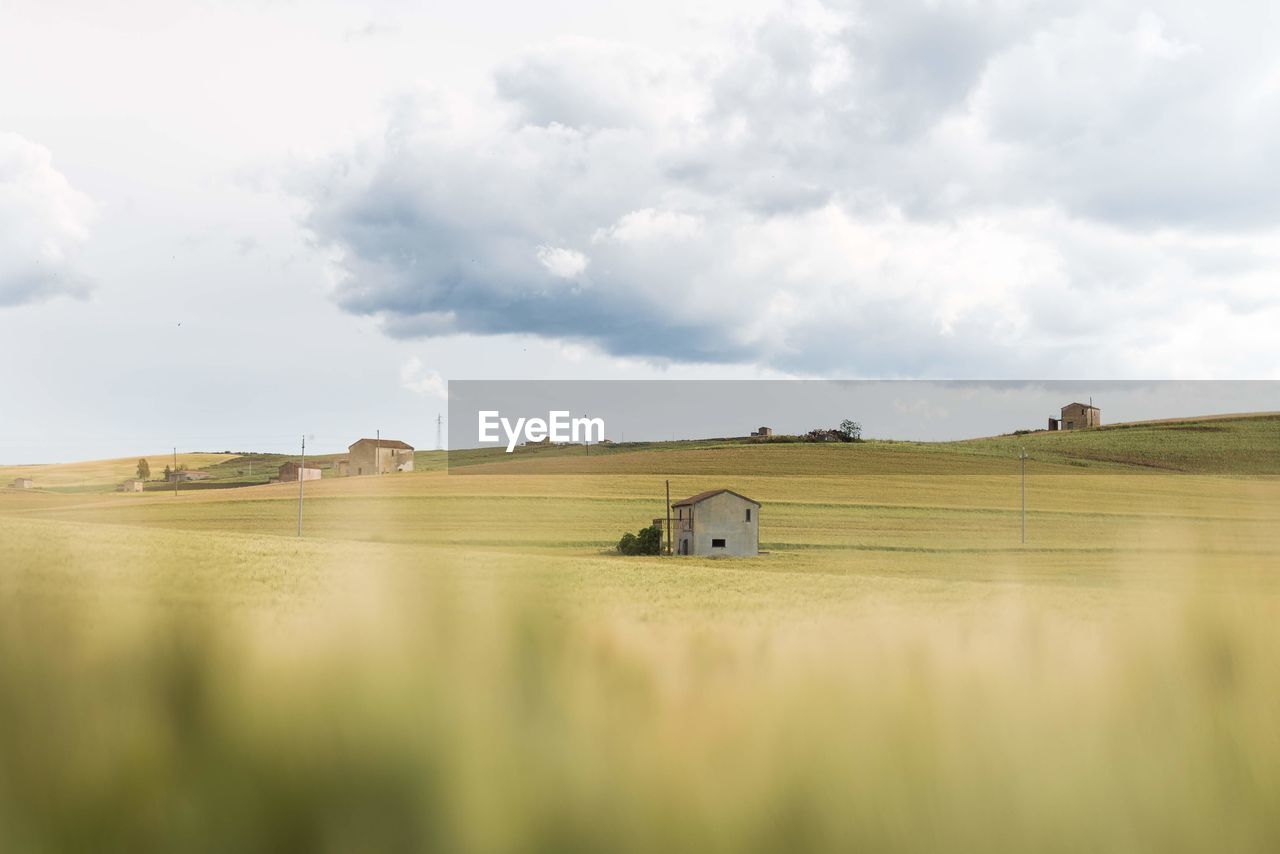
[1079, 417]
[723, 516]
[289, 473]
[368, 458]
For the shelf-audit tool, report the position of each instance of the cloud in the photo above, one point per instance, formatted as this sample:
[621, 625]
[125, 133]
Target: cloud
[562, 263]
[941, 189]
[43, 221]
[414, 378]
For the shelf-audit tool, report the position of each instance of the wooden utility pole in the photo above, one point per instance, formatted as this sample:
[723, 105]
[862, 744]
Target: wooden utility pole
[668, 518]
[377, 454]
[175, 472]
[301, 480]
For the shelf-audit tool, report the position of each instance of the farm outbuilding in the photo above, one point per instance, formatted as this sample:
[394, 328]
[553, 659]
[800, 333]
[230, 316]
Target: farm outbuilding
[762, 433]
[22, 483]
[292, 472]
[717, 523]
[379, 456]
[1076, 416]
[131, 485]
[184, 476]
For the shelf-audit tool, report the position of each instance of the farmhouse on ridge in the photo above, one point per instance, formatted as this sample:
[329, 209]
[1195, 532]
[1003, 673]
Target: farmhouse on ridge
[379, 456]
[1076, 416]
[292, 472]
[716, 523]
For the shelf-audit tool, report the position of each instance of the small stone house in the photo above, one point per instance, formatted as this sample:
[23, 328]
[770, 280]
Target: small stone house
[22, 483]
[185, 476]
[717, 523]
[130, 485]
[1076, 416]
[379, 456]
[292, 472]
[762, 433]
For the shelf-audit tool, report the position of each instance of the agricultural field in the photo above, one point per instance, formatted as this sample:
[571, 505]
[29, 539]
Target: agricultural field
[459, 660]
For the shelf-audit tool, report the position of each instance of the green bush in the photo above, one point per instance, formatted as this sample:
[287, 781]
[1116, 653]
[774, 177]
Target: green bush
[647, 542]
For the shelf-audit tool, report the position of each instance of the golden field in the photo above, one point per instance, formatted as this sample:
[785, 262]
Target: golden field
[458, 661]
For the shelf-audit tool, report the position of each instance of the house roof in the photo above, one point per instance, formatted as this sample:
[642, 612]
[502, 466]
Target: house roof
[1082, 405]
[385, 443]
[703, 496]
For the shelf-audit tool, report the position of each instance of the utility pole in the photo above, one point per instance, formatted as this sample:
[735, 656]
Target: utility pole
[175, 472]
[439, 432]
[1023, 458]
[377, 454]
[301, 480]
[668, 518]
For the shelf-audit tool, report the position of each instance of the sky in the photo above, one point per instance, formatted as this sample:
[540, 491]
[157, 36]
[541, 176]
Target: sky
[226, 225]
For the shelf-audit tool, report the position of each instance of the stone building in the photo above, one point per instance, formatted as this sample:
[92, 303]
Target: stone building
[717, 523]
[292, 472]
[1076, 416]
[379, 456]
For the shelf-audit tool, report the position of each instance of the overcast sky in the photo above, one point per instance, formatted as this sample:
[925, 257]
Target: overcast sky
[226, 224]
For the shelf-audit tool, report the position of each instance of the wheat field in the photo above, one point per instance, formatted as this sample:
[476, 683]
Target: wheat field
[459, 662]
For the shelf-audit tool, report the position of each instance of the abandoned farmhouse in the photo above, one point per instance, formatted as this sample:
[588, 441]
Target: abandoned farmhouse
[1076, 416]
[716, 523]
[378, 456]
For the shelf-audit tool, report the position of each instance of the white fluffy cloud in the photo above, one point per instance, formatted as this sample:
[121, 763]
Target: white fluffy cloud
[562, 263]
[43, 220]
[875, 188]
[415, 378]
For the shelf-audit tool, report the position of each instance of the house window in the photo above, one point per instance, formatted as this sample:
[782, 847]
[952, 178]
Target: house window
[717, 544]
[748, 514]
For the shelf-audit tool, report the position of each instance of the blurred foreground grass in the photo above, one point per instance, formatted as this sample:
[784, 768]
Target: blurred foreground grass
[181, 691]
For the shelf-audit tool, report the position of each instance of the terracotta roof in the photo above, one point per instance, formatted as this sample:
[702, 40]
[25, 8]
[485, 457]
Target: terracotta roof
[703, 496]
[385, 443]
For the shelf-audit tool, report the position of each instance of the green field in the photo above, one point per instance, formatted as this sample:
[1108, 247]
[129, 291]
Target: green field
[459, 662]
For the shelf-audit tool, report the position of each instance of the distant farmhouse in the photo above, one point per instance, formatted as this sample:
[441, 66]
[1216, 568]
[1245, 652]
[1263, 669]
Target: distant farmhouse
[716, 523]
[379, 456]
[762, 433]
[185, 476]
[292, 472]
[130, 485]
[1076, 416]
[22, 483]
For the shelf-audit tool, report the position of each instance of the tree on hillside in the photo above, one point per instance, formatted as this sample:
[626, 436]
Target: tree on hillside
[851, 430]
[167, 472]
[144, 469]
